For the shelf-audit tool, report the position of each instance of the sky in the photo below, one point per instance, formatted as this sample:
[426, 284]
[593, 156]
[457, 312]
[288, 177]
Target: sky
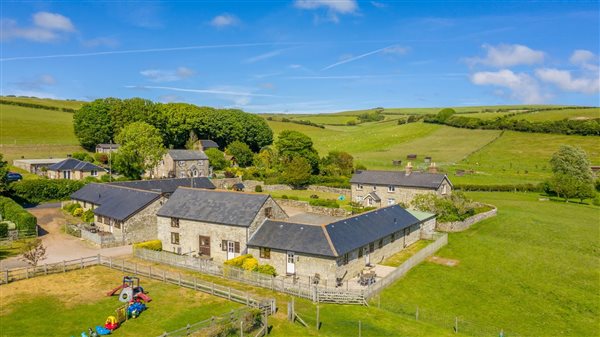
[304, 56]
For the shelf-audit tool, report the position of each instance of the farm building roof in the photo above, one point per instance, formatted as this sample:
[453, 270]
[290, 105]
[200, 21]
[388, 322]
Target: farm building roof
[208, 144]
[38, 161]
[296, 237]
[108, 146]
[220, 207]
[187, 155]
[399, 178]
[73, 164]
[115, 202]
[167, 186]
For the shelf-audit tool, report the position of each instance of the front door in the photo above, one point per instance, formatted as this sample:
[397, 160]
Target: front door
[366, 254]
[291, 263]
[66, 174]
[230, 250]
[204, 245]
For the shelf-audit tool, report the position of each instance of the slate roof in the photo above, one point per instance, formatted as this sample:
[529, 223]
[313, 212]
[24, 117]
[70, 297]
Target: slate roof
[187, 155]
[74, 165]
[115, 202]
[208, 144]
[399, 178]
[349, 234]
[108, 146]
[294, 237]
[220, 207]
[167, 186]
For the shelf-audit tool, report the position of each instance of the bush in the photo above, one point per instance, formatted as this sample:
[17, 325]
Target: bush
[284, 197]
[238, 261]
[541, 187]
[456, 207]
[102, 158]
[258, 188]
[324, 203]
[12, 211]
[78, 212]
[314, 196]
[71, 207]
[250, 264]
[88, 216]
[151, 245]
[83, 156]
[267, 269]
[40, 190]
[3, 229]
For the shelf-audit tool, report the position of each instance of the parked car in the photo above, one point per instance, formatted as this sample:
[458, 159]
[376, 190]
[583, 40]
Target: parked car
[13, 176]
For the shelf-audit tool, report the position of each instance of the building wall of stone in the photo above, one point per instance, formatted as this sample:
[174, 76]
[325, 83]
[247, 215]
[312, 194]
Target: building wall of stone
[190, 231]
[305, 264]
[75, 175]
[140, 227]
[277, 213]
[169, 168]
[400, 194]
[429, 226]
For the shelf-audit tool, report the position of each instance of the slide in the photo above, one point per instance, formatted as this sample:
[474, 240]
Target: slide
[144, 297]
[112, 292]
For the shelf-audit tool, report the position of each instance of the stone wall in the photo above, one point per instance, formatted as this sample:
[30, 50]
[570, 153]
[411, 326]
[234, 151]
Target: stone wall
[341, 191]
[226, 183]
[306, 207]
[305, 264]
[459, 226]
[138, 228]
[251, 184]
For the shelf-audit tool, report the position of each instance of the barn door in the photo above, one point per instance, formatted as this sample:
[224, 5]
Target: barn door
[204, 245]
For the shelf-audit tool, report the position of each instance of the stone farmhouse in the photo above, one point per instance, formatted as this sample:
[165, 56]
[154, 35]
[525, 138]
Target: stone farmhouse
[74, 169]
[340, 250]
[181, 164]
[128, 209]
[107, 148]
[213, 224]
[383, 188]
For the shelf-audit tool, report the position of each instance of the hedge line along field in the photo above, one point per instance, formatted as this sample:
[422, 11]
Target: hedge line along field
[553, 115]
[58, 103]
[77, 300]
[532, 270]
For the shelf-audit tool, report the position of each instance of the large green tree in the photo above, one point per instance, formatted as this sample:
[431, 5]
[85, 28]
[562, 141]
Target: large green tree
[216, 159]
[92, 123]
[337, 163]
[296, 172]
[141, 149]
[242, 153]
[3, 175]
[573, 177]
[292, 144]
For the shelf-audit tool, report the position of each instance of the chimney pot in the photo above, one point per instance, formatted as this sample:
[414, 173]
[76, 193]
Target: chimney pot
[408, 169]
[433, 168]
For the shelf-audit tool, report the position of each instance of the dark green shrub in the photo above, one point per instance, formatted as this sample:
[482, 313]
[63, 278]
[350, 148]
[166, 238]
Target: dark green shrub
[3, 229]
[88, 216]
[12, 211]
[258, 189]
[151, 245]
[267, 269]
[324, 203]
[40, 190]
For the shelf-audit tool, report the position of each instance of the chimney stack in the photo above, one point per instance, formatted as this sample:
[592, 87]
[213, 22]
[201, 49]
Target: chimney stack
[433, 168]
[408, 169]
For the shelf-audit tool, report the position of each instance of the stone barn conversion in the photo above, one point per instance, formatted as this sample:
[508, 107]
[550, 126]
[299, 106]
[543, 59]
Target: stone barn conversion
[340, 250]
[384, 188]
[213, 224]
[181, 164]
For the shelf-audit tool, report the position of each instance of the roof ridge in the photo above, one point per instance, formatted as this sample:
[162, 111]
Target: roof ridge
[225, 191]
[126, 188]
[326, 233]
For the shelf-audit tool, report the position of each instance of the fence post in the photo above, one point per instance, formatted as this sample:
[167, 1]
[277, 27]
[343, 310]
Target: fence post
[455, 324]
[164, 277]
[195, 286]
[212, 288]
[241, 328]
[229, 293]
[150, 271]
[6, 275]
[81, 262]
[45, 269]
[188, 329]
[317, 317]
[359, 329]
[26, 272]
[123, 266]
[98, 259]
[266, 324]
[110, 262]
[179, 279]
[247, 300]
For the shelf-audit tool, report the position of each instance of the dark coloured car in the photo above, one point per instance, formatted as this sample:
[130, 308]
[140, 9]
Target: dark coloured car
[13, 176]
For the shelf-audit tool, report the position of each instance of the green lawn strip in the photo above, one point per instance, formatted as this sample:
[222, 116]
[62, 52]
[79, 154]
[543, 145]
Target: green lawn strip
[397, 259]
[531, 270]
[304, 195]
[172, 307]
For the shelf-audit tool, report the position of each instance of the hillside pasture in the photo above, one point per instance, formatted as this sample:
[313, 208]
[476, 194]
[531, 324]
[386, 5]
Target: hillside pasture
[69, 104]
[553, 115]
[326, 119]
[531, 271]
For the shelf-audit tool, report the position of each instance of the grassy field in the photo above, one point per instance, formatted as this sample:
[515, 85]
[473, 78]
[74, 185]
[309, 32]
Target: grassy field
[532, 270]
[66, 304]
[70, 104]
[326, 119]
[484, 115]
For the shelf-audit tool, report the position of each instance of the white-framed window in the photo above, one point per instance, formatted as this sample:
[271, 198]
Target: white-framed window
[444, 189]
[201, 162]
[181, 174]
[370, 201]
[359, 198]
[391, 201]
[181, 163]
[94, 173]
[174, 238]
[374, 188]
[195, 173]
[359, 187]
[391, 188]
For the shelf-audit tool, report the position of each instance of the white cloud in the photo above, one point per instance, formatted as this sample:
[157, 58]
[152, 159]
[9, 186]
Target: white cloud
[508, 55]
[585, 59]
[377, 4]
[567, 82]
[238, 95]
[158, 75]
[224, 20]
[338, 6]
[523, 87]
[53, 21]
[394, 49]
[47, 27]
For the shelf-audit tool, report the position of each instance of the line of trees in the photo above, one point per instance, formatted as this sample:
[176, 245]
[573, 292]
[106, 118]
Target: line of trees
[100, 121]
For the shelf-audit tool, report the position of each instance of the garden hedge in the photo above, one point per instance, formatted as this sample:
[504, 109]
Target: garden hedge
[12, 211]
[39, 190]
[151, 245]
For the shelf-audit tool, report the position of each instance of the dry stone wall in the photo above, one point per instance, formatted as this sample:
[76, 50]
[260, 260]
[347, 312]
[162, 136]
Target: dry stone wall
[459, 226]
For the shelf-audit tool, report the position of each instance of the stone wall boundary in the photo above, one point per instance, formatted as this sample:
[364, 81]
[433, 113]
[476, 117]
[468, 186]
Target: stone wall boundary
[307, 207]
[459, 226]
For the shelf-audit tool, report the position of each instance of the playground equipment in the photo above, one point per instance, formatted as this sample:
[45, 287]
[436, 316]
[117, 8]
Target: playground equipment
[111, 323]
[135, 309]
[130, 289]
[102, 331]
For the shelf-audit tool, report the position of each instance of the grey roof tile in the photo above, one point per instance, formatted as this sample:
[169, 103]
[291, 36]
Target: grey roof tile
[167, 186]
[296, 237]
[399, 178]
[115, 201]
[208, 144]
[74, 165]
[187, 155]
[221, 207]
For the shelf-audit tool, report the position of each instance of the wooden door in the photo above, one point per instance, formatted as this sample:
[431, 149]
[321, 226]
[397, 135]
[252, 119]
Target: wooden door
[204, 245]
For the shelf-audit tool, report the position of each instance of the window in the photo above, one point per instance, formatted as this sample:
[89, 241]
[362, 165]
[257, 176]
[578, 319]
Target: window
[360, 252]
[175, 222]
[194, 173]
[181, 163]
[116, 224]
[380, 244]
[94, 173]
[201, 162]
[393, 237]
[265, 253]
[181, 174]
[391, 188]
[370, 201]
[391, 201]
[359, 187]
[371, 247]
[374, 188]
[268, 212]
[444, 189]
[345, 258]
[359, 198]
[175, 238]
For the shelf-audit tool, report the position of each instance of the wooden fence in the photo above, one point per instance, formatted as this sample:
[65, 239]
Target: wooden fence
[295, 287]
[420, 256]
[234, 319]
[267, 306]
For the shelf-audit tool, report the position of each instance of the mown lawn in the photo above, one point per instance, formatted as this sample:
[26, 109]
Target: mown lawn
[532, 270]
[67, 304]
